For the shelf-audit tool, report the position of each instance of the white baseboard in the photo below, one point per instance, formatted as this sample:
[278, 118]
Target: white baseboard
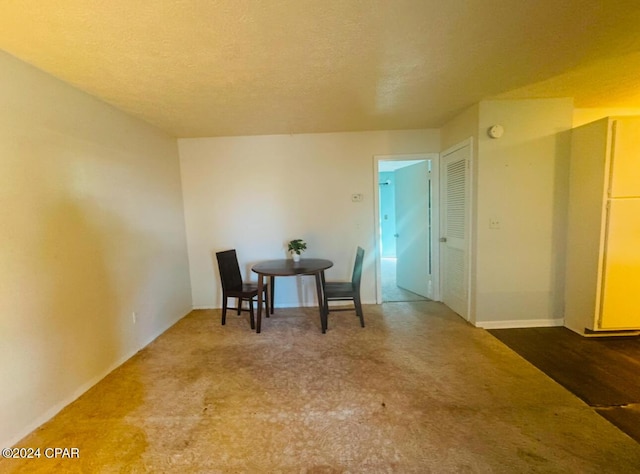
[529, 323]
[294, 305]
[54, 410]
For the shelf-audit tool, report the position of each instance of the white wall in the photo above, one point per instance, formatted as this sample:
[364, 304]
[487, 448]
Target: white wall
[522, 180]
[256, 193]
[92, 230]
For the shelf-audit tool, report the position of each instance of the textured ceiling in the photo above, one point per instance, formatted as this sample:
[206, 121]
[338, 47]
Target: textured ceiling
[244, 67]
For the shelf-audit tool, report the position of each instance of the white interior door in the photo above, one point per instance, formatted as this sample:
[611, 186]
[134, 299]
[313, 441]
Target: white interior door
[454, 241]
[412, 198]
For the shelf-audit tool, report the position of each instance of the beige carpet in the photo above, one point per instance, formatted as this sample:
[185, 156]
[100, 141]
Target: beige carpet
[416, 391]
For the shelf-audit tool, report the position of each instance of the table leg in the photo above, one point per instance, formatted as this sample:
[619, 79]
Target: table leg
[260, 291]
[272, 283]
[325, 301]
[319, 289]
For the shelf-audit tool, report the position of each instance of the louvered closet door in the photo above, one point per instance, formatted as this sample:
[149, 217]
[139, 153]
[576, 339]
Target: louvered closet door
[455, 209]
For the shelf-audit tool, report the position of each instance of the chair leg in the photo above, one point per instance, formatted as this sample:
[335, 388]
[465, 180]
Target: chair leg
[252, 320]
[239, 305]
[265, 299]
[358, 305]
[224, 309]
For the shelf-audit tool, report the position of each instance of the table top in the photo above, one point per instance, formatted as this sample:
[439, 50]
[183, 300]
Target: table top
[287, 267]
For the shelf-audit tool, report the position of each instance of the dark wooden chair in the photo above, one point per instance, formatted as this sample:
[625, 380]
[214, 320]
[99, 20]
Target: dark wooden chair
[347, 290]
[234, 287]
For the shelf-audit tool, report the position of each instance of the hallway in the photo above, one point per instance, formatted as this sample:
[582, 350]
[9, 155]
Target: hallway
[391, 292]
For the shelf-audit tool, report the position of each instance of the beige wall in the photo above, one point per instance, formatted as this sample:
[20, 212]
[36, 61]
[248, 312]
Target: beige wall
[522, 180]
[461, 127]
[92, 230]
[457, 130]
[301, 185]
[256, 193]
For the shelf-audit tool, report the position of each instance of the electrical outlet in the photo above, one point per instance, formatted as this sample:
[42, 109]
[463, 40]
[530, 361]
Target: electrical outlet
[356, 197]
[494, 223]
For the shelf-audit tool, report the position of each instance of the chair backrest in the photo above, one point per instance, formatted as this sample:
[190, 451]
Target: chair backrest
[357, 268]
[229, 270]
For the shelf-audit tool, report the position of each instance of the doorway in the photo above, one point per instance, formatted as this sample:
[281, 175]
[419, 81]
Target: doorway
[406, 223]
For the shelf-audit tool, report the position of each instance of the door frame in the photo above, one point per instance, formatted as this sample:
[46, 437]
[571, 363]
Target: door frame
[470, 217]
[434, 158]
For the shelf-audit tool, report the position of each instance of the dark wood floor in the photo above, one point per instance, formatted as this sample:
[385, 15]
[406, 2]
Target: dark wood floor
[604, 371]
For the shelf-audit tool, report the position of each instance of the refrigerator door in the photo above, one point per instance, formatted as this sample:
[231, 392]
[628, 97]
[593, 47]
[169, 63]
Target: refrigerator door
[625, 154]
[620, 296]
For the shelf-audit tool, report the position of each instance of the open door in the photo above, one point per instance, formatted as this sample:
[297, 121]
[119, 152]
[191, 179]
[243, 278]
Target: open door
[413, 199]
[412, 272]
[454, 240]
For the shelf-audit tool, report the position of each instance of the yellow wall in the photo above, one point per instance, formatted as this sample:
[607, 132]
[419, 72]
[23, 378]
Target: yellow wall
[584, 116]
[92, 230]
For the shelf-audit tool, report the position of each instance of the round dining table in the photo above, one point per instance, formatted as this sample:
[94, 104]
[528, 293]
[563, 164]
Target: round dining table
[287, 267]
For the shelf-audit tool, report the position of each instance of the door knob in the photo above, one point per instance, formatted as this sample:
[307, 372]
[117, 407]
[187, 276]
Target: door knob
[396, 235]
[443, 239]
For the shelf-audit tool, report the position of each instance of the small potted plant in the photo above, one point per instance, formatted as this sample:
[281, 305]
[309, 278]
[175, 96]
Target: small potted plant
[296, 247]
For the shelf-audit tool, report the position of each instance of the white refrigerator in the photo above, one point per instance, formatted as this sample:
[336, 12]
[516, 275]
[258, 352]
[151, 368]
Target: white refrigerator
[620, 299]
[602, 285]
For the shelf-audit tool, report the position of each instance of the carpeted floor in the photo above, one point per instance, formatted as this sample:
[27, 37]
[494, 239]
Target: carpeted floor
[416, 391]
